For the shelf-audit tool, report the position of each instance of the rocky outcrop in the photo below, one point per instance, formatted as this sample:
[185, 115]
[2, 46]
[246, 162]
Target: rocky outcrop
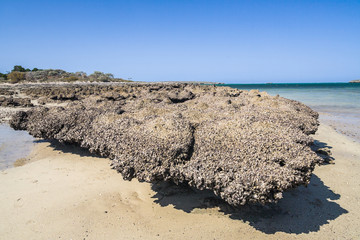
[355, 81]
[247, 147]
[15, 102]
[6, 91]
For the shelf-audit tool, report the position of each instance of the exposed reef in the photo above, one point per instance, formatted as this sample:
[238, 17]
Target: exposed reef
[247, 147]
[15, 102]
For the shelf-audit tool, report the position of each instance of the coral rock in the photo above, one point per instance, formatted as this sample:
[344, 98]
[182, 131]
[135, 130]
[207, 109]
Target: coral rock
[247, 147]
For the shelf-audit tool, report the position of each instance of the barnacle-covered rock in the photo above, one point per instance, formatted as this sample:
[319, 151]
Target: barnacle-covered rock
[247, 147]
[15, 102]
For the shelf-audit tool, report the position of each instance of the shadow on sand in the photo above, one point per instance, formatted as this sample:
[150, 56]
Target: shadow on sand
[324, 151]
[302, 210]
[69, 148]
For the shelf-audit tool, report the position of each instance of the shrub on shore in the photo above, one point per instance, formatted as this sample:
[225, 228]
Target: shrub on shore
[71, 78]
[18, 68]
[20, 73]
[15, 77]
[3, 76]
[98, 76]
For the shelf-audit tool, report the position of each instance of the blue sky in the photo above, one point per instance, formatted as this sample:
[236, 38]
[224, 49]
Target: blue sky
[201, 40]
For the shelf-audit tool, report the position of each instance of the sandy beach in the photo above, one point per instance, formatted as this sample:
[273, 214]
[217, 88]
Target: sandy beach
[66, 193]
[177, 120]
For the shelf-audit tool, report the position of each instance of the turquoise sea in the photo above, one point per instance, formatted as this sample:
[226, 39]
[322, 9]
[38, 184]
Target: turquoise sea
[337, 103]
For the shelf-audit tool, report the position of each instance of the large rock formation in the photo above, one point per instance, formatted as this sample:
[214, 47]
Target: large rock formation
[247, 147]
[15, 102]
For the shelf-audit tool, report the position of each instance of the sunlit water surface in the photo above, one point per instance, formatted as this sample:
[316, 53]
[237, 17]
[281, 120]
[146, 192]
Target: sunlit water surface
[13, 145]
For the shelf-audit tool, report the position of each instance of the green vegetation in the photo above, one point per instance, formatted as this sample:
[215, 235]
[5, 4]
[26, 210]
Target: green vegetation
[15, 77]
[71, 79]
[101, 77]
[3, 76]
[18, 68]
[21, 74]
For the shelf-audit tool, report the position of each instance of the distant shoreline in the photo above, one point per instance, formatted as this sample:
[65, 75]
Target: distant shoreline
[355, 81]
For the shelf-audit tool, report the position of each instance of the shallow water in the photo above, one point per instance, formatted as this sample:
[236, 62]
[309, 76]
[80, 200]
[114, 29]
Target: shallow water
[338, 103]
[13, 145]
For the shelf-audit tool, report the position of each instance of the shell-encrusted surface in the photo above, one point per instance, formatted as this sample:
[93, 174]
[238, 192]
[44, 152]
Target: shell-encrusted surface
[245, 146]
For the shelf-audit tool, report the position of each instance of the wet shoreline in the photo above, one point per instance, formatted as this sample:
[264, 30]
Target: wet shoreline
[14, 145]
[347, 126]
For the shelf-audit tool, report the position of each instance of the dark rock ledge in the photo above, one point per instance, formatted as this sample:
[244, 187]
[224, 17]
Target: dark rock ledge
[247, 147]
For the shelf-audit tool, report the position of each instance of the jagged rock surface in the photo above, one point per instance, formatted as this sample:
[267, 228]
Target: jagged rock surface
[247, 147]
[15, 102]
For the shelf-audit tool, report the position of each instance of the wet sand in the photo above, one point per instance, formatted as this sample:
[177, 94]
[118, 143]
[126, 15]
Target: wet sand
[343, 124]
[66, 193]
[13, 145]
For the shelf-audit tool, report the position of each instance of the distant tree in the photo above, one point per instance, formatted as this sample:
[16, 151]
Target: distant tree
[18, 68]
[27, 70]
[100, 76]
[16, 77]
[35, 69]
[110, 75]
[3, 76]
[81, 74]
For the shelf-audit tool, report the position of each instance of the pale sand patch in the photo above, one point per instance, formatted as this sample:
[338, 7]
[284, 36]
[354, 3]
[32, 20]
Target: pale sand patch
[68, 194]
